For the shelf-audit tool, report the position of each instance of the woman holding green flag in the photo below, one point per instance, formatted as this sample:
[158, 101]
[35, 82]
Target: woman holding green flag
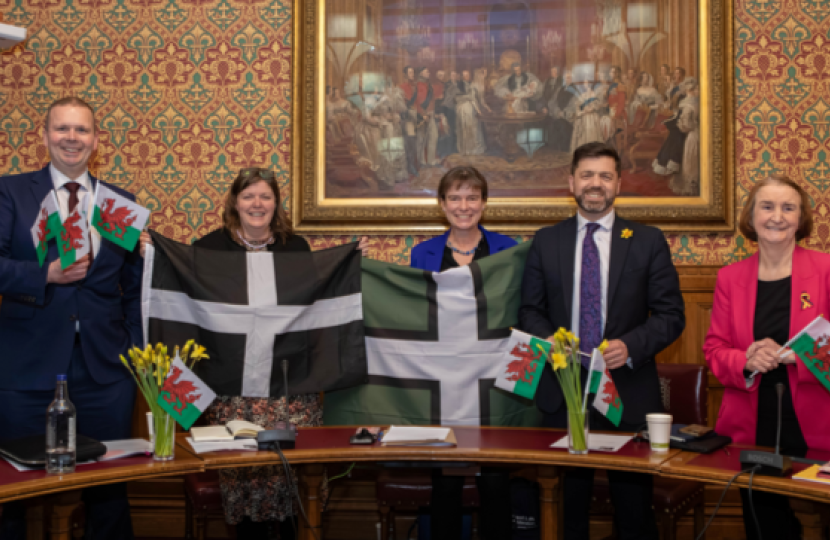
[462, 194]
[759, 304]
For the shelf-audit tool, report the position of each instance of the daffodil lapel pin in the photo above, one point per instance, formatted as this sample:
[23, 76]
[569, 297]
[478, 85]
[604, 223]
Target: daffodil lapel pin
[627, 233]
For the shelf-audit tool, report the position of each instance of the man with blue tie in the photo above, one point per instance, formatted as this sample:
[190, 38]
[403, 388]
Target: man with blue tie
[75, 321]
[604, 277]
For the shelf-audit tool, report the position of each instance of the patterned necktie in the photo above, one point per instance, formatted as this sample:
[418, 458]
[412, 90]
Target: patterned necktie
[72, 188]
[590, 296]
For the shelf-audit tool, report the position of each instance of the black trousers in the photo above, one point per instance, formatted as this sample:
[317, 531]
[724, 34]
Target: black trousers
[495, 516]
[631, 494]
[104, 412]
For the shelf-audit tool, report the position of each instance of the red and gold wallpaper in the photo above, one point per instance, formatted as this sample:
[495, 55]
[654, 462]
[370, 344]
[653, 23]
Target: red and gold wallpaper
[187, 92]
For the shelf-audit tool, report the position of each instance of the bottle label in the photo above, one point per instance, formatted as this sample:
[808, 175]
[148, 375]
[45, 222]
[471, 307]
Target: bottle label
[71, 437]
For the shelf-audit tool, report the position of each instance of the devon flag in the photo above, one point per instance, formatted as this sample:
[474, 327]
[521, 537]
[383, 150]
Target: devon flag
[47, 225]
[117, 218]
[251, 310]
[184, 395]
[812, 346]
[523, 363]
[606, 400]
[435, 344]
[73, 240]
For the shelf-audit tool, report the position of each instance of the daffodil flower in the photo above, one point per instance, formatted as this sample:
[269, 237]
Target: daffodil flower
[558, 361]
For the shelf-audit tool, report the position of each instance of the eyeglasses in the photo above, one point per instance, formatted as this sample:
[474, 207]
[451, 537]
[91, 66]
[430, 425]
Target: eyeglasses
[265, 174]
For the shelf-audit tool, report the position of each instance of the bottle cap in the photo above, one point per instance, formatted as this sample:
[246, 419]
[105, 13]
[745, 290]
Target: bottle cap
[61, 377]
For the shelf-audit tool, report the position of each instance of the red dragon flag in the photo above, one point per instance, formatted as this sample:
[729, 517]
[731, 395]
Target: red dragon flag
[606, 400]
[524, 360]
[184, 395]
[47, 225]
[73, 240]
[117, 218]
[812, 346]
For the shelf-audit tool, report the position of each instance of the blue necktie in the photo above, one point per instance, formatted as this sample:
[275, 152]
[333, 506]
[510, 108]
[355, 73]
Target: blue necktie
[590, 296]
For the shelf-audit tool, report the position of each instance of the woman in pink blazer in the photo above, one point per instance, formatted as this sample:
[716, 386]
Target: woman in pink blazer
[760, 303]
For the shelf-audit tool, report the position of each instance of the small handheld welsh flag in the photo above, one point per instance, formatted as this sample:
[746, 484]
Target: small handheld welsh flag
[73, 241]
[47, 225]
[117, 218]
[524, 361]
[184, 395]
[812, 346]
[606, 401]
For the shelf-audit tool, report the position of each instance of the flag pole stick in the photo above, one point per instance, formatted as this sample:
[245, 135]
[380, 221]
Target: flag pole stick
[587, 383]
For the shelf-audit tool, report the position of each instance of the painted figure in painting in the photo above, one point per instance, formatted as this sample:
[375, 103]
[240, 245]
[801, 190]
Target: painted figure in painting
[517, 89]
[469, 106]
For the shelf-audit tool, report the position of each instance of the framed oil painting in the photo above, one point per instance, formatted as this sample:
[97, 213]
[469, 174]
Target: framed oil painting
[390, 94]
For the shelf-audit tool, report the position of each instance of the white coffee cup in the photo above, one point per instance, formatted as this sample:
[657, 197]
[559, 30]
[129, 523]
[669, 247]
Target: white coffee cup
[659, 431]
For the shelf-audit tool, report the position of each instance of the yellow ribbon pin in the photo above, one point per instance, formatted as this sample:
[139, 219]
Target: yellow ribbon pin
[805, 301]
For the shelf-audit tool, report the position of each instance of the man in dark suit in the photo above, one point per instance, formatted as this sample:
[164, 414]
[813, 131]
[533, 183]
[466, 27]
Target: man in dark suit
[75, 321]
[604, 277]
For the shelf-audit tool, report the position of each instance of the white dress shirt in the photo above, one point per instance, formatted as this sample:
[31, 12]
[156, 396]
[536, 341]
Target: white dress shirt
[602, 237]
[86, 199]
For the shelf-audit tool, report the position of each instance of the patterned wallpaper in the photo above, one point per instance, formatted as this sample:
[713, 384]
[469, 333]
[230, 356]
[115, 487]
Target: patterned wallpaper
[189, 91]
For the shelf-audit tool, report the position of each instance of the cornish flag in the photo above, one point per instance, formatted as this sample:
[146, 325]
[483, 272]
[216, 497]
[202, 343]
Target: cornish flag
[606, 399]
[117, 218]
[812, 346]
[523, 363]
[435, 344]
[184, 395]
[253, 310]
[47, 225]
[73, 240]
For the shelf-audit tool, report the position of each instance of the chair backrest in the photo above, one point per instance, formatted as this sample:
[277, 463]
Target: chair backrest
[684, 392]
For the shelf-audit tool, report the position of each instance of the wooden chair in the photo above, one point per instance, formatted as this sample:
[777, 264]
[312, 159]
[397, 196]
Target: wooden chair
[684, 392]
[407, 491]
[203, 499]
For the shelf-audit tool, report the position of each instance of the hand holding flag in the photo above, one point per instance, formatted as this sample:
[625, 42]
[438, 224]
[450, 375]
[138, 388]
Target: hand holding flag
[47, 225]
[606, 400]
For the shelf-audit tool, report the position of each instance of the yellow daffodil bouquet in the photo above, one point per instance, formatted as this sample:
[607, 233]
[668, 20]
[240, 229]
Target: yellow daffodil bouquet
[566, 364]
[149, 369]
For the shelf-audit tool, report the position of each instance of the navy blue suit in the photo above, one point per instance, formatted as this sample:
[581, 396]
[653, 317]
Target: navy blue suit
[427, 255]
[38, 334]
[645, 310]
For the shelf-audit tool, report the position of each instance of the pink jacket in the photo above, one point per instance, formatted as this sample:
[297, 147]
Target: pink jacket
[730, 335]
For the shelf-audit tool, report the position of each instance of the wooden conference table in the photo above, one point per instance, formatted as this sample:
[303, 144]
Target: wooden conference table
[317, 447]
[476, 445]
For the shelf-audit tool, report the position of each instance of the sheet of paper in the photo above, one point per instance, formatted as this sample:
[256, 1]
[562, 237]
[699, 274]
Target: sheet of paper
[24, 468]
[238, 444]
[125, 448]
[598, 442]
[210, 433]
[415, 433]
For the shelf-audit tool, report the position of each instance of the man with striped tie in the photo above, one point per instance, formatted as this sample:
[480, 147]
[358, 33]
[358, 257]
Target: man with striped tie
[604, 277]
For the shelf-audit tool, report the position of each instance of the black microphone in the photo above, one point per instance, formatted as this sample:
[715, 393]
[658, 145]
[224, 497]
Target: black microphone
[284, 434]
[768, 463]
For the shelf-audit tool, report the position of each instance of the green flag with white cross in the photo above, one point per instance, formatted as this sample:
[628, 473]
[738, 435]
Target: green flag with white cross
[435, 346]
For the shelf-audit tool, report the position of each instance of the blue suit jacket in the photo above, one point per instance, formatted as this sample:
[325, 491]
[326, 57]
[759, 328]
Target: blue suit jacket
[427, 255]
[38, 321]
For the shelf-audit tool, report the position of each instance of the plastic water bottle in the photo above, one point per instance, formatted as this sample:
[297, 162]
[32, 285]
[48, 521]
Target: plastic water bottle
[60, 432]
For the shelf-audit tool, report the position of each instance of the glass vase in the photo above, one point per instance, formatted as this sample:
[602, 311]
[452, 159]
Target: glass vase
[578, 432]
[164, 437]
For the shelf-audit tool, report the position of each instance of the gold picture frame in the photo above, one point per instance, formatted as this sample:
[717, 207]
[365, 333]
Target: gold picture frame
[313, 211]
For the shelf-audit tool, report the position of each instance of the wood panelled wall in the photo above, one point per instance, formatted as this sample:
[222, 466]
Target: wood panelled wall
[697, 283]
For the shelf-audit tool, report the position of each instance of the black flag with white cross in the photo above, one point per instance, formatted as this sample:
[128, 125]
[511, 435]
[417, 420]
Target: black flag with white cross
[252, 310]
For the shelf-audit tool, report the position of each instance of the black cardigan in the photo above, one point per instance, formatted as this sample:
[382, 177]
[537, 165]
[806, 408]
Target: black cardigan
[221, 240]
